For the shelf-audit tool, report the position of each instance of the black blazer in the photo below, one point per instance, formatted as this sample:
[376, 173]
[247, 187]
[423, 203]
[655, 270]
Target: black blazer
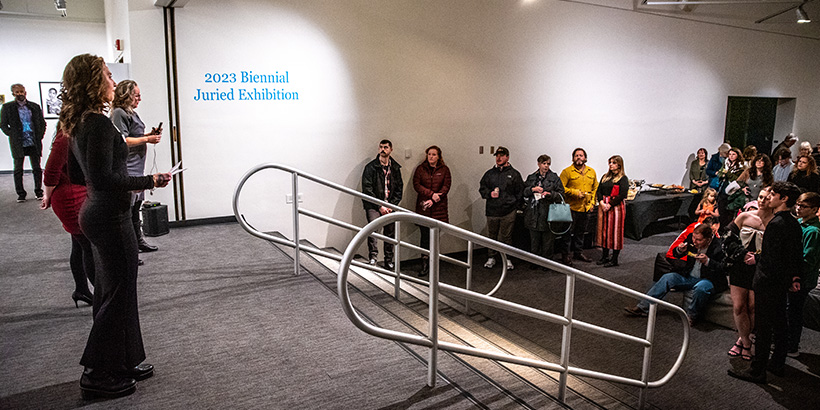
[13, 127]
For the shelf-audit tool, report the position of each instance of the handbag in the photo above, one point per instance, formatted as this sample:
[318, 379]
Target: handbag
[560, 213]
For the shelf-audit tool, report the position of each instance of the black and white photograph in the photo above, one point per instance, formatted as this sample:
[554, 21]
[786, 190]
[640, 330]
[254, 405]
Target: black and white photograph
[49, 90]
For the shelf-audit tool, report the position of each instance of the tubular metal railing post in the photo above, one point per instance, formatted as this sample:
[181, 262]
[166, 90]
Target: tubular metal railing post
[433, 307]
[647, 352]
[397, 259]
[295, 180]
[569, 303]
[469, 273]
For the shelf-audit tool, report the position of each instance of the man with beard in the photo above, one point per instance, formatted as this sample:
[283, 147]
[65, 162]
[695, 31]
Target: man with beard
[381, 179]
[580, 183]
[23, 122]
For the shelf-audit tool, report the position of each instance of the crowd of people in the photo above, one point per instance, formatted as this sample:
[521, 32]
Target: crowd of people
[506, 193]
[756, 234]
[757, 231]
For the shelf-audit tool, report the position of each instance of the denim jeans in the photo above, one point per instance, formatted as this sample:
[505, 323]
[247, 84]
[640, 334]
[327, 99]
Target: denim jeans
[701, 290]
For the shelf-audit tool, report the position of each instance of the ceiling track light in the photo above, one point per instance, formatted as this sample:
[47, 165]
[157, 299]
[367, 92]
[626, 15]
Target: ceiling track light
[802, 16]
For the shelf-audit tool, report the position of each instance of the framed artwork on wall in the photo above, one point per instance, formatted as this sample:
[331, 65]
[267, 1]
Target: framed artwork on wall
[51, 105]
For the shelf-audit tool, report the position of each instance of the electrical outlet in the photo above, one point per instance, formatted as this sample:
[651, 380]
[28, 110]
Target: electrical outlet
[289, 198]
[480, 149]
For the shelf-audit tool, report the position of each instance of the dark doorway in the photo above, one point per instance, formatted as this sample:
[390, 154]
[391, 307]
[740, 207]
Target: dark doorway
[751, 121]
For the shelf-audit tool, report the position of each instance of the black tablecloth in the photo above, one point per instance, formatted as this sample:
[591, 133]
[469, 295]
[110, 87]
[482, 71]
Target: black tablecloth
[653, 206]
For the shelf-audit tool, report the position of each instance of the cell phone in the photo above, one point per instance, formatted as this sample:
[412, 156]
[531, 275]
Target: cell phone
[158, 129]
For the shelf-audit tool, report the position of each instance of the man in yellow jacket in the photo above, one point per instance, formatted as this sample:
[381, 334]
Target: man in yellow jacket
[580, 183]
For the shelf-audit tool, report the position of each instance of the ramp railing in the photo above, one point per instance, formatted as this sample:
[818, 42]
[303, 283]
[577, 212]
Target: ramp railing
[437, 229]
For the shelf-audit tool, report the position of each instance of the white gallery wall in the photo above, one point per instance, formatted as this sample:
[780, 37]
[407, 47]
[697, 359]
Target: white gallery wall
[35, 50]
[538, 78]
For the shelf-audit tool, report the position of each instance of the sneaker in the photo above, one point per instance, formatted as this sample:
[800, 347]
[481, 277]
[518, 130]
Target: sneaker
[372, 261]
[21, 198]
[39, 197]
[510, 265]
[490, 263]
[389, 265]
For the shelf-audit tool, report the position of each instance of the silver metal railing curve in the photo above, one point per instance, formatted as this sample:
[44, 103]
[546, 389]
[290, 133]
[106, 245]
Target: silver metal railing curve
[298, 210]
[436, 229]
[566, 320]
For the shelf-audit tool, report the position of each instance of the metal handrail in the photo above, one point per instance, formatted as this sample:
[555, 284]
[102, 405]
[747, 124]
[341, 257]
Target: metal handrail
[297, 210]
[436, 229]
[566, 320]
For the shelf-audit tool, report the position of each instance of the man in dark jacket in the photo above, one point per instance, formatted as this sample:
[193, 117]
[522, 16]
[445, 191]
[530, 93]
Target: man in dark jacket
[779, 269]
[23, 122]
[704, 273]
[502, 187]
[381, 179]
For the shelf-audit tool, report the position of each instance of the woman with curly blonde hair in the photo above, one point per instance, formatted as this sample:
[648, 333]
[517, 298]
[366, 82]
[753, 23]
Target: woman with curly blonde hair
[127, 98]
[114, 352]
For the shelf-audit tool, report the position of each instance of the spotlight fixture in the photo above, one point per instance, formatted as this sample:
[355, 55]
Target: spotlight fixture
[802, 17]
[60, 5]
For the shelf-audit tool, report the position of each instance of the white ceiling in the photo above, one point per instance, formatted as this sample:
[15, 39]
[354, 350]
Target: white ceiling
[741, 15]
[77, 10]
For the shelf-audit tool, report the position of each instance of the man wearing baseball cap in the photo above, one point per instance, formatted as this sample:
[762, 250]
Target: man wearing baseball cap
[503, 189]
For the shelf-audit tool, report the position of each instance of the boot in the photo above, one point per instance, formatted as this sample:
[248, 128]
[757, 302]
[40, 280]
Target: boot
[614, 260]
[141, 244]
[145, 246]
[604, 257]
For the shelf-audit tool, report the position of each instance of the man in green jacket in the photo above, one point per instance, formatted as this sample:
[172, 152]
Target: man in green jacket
[808, 204]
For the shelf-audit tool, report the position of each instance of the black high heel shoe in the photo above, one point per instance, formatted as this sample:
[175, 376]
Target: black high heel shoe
[77, 296]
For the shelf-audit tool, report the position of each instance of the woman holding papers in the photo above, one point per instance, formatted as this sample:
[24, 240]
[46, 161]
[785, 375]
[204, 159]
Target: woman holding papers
[126, 99]
[114, 352]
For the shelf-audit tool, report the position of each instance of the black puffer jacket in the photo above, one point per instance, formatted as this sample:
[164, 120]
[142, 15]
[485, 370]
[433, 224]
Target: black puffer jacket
[510, 188]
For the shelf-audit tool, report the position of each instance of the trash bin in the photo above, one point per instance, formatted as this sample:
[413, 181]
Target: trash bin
[154, 219]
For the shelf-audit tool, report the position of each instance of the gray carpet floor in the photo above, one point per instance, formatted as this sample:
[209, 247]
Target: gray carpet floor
[228, 325]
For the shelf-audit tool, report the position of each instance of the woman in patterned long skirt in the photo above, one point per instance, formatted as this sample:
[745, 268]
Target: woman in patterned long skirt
[611, 194]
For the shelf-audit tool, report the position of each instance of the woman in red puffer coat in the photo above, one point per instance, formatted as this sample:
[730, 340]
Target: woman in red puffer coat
[432, 183]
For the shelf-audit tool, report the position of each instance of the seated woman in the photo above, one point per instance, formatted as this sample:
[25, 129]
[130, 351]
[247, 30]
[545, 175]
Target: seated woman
[752, 180]
[747, 232]
[805, 174]
[730, 172]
